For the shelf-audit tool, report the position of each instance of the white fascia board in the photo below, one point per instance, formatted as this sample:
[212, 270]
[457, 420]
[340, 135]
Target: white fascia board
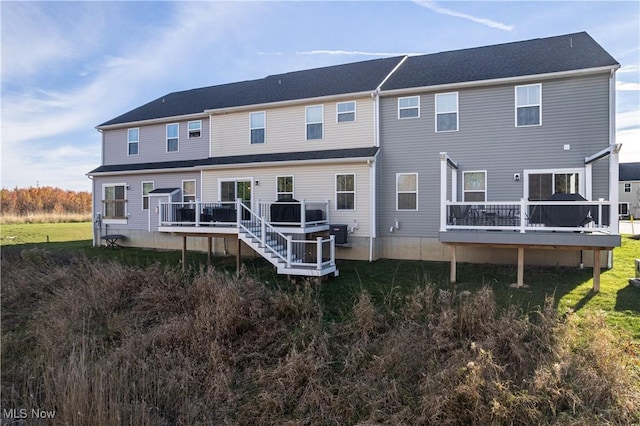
[238, 165]
[321, 99]
[498, 81]
[145, 171]
[289, 163]
[199, 115]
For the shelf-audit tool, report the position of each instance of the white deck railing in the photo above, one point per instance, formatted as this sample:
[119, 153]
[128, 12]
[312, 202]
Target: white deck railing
[523, 216]
[282, 213]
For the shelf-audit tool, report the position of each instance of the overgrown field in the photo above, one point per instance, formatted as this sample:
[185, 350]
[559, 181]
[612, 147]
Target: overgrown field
[100, 342]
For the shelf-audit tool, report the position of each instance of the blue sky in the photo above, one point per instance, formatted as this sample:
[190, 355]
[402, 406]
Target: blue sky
[69, 66]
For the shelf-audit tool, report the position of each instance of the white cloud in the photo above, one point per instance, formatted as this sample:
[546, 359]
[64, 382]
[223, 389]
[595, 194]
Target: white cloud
[353, 52]
[630, 140]
[444, 11]
[627, 87]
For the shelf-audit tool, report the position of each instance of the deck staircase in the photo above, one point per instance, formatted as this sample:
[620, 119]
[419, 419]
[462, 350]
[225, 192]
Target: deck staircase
[289, 256]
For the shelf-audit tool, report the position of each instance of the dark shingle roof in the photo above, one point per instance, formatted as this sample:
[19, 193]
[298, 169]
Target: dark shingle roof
[538, 56]
[629, 172]
[243, 159]
[347, 78]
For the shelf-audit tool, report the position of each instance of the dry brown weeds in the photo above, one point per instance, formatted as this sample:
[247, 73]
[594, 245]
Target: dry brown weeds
[103, 343]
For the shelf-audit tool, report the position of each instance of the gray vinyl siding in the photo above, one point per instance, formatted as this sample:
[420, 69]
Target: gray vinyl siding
[138, 218]
[575, 111]
[152, 145]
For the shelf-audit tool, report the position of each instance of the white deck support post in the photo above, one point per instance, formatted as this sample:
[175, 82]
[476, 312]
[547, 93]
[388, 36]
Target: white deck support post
[523, 212]
[614, 175]
[263, 232]
[332, 248]
[197, 213]
[303, 211]
[319, 253]
[238, 211]
[289, 251]
[454, 185]
[443, 192]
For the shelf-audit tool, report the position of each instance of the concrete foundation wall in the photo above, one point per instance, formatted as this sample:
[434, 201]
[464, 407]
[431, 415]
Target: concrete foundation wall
[429, 249]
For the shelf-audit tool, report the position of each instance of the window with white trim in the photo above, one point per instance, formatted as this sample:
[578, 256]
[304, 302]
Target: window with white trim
[542, 184]
[188, 191]
[346, 192]
[195, 129]
[529, 105]
[409, 107]
[114, 199]
[447, 112]
[406, 191]
[314, 119]
[474, 185]
[133, 141]
[284, 188]
[147, 187]
[623, 209]
[346, 111]
[257, 123]
[172, 137]
[627, 187]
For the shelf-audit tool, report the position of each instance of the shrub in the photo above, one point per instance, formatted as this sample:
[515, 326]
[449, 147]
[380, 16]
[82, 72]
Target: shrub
[103, 343]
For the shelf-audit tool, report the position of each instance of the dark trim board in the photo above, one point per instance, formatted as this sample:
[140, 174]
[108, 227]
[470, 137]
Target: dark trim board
[535, 239]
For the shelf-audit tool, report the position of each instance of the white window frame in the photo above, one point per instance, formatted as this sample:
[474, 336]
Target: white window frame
[398, 192]
[343, 113]
[146, 196]
[447, 111]
[131, 142]
[115, 220]
[190, 130]
[581, 178]
[264, 127]
[355, 185]
[627, 208]
[195, 191]
[627, 187]
[401, 108]
[293, 186]
[308, 123]
[528, 105]
[475, 191]
[177, 138]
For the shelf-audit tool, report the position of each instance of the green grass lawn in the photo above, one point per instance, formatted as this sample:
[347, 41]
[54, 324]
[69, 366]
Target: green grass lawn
[28, 233]
[388, 280]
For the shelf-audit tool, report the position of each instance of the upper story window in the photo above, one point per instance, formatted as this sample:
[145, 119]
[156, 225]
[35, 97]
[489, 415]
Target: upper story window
[346, 111]
[314, 120]
[447, 112]
[627, 187]
[346, 192]
[114, 198]
[133, 141]
[172, 137]
[147, 187]
[188, 191]
[257, 120]
[529, 105]
[409, 107]
[195, 129]
[284, 189]
[474, 185]
[407, 191]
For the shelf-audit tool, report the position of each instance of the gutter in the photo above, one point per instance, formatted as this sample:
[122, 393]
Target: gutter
[496, 81]
[197, 115]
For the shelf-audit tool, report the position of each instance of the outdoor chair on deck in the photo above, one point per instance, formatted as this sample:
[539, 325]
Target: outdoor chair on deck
[459, 215]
